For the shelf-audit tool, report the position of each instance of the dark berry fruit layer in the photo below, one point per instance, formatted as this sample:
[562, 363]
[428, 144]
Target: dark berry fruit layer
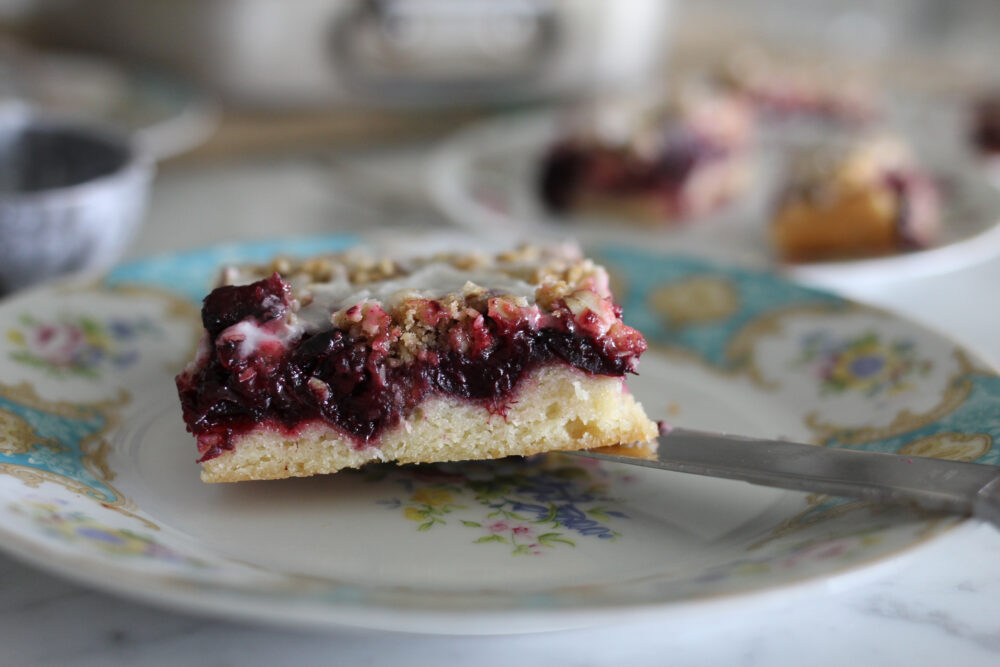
[264, 300]
[570, 168]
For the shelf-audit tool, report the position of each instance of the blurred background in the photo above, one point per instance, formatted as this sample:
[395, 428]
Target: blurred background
[266, 117]
[294, 62]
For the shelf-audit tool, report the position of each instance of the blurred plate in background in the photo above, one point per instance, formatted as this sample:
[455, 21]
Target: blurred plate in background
[485, 178]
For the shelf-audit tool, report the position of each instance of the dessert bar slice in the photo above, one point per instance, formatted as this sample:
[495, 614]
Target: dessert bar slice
[657, 163]
[865, 198]
[310, 367]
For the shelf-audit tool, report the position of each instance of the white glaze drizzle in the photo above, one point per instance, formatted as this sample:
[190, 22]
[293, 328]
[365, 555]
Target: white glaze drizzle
[430, 281]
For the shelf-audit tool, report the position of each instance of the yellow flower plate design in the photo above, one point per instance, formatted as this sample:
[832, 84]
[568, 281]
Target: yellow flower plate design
[98, 480]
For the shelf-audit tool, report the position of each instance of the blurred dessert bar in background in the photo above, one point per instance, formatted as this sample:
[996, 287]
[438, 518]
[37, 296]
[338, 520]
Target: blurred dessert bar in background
[863, 198]
[652, 162]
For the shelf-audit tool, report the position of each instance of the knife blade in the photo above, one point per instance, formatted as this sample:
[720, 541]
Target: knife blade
[937, 485]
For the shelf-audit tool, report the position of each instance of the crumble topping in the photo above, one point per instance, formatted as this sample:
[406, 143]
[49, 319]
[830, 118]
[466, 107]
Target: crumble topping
[406, 306]
[644, 128]
[816, 171]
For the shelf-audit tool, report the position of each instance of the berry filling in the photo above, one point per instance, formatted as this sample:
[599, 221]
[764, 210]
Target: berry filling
[570, 168]
[258, 367]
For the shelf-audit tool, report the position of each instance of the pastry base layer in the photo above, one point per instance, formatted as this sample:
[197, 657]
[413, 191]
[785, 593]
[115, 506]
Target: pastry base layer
[859, 224]
[556, 408]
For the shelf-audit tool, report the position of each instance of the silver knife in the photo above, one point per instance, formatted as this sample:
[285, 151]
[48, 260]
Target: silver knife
[933, 484]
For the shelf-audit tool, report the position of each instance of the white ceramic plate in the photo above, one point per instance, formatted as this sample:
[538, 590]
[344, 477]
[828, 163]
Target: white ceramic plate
[98, 480]
[484, 178]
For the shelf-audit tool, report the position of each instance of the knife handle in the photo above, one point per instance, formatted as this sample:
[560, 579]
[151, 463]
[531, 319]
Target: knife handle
[986, 506]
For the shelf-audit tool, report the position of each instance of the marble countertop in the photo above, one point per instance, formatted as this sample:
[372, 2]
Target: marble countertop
[937, 604]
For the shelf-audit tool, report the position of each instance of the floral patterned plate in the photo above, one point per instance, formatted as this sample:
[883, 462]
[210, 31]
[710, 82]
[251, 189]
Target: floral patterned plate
[99, 481]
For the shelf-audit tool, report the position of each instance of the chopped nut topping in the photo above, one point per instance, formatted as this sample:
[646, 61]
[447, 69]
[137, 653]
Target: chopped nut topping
[568, 286]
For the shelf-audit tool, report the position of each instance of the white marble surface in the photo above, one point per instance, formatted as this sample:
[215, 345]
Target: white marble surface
[938, 605]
